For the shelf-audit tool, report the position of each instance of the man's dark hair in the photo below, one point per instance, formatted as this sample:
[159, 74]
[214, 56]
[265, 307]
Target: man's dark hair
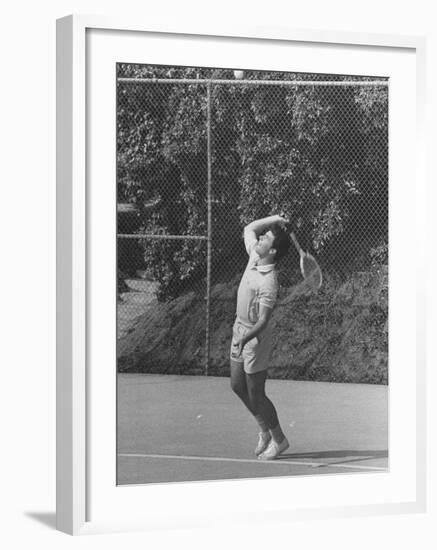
[281, 242]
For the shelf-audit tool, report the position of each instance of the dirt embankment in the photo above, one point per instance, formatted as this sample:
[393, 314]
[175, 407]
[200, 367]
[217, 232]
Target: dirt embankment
[338, 335]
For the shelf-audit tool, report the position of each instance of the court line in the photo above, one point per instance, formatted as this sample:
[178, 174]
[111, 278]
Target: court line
[256, 461]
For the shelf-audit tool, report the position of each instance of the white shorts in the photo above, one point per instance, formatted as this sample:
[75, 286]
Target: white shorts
[256, 353]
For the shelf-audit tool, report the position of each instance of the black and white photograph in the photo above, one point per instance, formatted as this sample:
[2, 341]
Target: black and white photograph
[252, 274]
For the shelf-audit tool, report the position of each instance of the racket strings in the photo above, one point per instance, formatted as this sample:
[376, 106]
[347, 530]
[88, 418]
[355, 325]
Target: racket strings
[309, 265]
[311, 272]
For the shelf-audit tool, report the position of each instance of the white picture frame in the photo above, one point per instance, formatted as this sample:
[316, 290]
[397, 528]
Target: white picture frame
[74, 463]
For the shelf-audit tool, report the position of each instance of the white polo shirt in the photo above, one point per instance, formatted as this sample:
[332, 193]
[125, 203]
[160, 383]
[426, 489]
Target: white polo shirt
[258, 286]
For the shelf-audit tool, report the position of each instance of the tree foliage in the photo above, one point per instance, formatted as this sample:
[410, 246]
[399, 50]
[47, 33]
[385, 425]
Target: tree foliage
[317, 153]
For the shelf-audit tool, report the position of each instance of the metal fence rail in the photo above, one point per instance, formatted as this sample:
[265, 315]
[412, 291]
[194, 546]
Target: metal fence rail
[254, 82]
[146, 236]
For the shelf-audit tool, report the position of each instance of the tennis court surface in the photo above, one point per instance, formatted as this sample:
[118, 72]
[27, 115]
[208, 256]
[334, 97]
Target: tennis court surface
[192, 428]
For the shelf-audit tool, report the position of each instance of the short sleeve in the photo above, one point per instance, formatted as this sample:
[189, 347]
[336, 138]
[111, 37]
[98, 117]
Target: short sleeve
[268, 294]
[250, 240]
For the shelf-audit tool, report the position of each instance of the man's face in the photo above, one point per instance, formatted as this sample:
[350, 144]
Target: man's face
[264, 245]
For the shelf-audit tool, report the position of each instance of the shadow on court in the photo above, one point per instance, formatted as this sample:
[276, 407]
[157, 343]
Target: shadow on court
[336, 454]
[337, 457]
[192, 428]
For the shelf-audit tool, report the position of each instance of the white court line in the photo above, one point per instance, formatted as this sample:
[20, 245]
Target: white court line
[256, 461]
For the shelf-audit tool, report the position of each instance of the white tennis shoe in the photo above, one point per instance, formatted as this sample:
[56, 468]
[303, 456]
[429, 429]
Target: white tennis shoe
[274, 449]
[264, 439]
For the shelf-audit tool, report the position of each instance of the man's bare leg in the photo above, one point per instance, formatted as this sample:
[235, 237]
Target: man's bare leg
[259, 401]
[239, 387]
[238, 383]
[265, 408]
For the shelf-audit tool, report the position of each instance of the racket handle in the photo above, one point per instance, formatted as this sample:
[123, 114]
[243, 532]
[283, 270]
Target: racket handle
[296, 244]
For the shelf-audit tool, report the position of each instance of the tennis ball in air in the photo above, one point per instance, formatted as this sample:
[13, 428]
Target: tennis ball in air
[239, 75]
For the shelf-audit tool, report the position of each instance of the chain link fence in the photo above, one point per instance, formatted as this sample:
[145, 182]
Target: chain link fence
[201, 154]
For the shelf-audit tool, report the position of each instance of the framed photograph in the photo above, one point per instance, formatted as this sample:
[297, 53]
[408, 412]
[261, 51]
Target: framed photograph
[240, 329]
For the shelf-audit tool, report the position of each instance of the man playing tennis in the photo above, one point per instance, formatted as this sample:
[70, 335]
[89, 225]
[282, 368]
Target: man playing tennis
[266, 243]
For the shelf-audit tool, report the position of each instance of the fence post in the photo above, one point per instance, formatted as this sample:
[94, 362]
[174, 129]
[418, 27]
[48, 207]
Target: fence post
[209, 243]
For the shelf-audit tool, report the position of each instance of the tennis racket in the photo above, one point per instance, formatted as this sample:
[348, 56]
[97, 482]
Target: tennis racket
[309, 268]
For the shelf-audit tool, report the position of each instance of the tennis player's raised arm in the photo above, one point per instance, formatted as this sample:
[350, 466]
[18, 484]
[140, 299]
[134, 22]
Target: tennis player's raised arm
[254, 229]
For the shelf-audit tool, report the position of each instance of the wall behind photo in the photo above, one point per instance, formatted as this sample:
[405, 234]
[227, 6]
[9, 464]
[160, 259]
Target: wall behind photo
[27, 219]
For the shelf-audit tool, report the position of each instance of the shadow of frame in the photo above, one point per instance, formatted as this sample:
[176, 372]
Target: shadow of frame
[45, 518]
